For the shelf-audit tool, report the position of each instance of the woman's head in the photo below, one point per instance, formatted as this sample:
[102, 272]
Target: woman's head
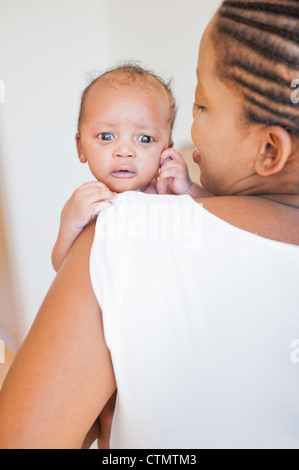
[249, 57]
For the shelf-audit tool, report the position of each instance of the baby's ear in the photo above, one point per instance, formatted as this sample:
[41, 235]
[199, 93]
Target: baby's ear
[79, 148]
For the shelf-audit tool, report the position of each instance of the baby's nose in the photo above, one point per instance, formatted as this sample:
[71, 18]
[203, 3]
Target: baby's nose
[124, 149]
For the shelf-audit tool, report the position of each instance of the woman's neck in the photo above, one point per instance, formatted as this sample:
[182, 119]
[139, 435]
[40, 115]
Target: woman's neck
[281, 187]
[290, 200]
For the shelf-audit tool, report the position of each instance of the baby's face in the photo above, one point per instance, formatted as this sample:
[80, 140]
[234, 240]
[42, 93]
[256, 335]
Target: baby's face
[123, 132]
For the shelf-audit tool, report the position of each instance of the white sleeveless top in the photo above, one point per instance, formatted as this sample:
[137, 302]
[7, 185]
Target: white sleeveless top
[202, 321]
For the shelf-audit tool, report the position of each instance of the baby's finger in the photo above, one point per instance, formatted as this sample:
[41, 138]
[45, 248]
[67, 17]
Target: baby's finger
[90, 194]
[89, 183]
[164, 175]
[170, 164]
[170, 154]
[162, 186]
[90, 186]
[106, 195]
[96, 194]
[98, 207]
[172, 172]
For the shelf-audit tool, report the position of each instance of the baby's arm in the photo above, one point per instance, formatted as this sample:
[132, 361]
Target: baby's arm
[174, 175]
[196, 191]
[87, 201]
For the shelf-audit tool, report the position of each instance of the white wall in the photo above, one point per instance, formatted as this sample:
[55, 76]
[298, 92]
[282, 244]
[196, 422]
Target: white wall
[48, 51]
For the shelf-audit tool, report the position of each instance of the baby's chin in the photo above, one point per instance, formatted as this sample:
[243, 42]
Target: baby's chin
[122, 186]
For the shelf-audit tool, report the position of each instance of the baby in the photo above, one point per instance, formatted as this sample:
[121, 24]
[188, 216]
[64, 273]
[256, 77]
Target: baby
[125, 135]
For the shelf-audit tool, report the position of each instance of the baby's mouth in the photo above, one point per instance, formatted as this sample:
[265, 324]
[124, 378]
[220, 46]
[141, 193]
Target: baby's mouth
[123, 173]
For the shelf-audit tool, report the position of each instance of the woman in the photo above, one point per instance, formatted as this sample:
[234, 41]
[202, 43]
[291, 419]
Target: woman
[201, 339]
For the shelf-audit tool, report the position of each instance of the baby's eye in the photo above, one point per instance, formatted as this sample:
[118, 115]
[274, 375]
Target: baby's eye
[106, 136]
[145, 139]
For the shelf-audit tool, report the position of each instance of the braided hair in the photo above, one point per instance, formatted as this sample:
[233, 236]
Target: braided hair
[257, 46]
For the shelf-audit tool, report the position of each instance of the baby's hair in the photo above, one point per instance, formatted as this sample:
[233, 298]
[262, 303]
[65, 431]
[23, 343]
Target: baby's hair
[132, 74]
[257, 45]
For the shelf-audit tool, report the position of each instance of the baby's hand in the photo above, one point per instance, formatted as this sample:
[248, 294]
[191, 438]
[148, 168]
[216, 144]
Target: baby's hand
[173, 173]
[86, 202]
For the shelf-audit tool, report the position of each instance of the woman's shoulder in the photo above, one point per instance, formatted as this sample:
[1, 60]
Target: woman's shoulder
[264, 217]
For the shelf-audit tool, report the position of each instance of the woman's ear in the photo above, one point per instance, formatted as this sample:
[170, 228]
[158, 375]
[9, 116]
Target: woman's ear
[275, 151]
[79, 148]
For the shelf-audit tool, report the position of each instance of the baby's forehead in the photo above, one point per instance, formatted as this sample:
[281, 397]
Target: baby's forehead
[128, 76]
[129, 80]
[108, 83]
[102, 90]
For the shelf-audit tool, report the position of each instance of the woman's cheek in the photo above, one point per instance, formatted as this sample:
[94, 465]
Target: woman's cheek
[194, 132]
[198, 135]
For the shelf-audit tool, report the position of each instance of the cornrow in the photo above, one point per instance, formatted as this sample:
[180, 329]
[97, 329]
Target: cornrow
[258, 51]
[287, 8]
[258, 70]
[279, 31]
